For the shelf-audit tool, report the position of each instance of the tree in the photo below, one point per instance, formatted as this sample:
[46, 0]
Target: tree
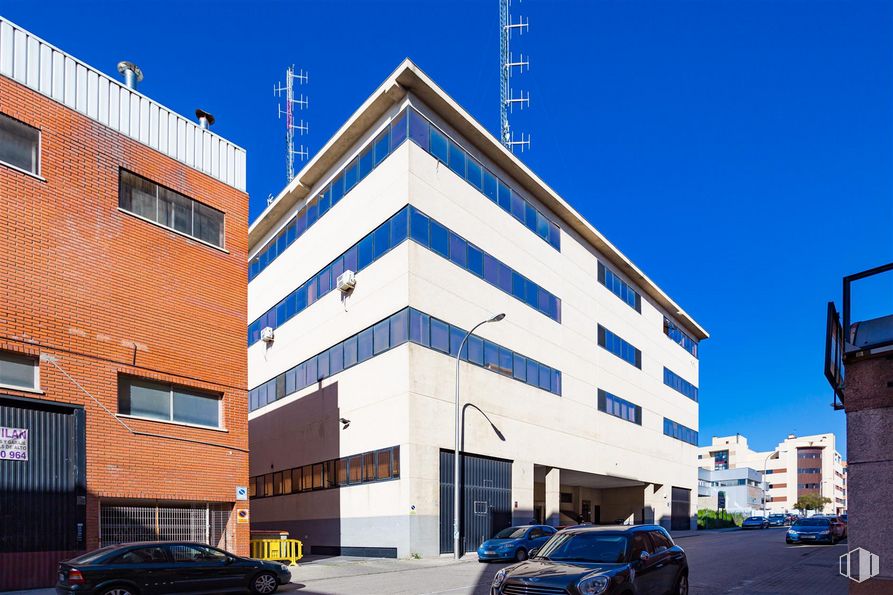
[808, 502]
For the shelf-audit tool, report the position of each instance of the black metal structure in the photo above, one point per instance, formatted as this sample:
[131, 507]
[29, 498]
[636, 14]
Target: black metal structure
[834, 369]
[43, 499]
[680, 505]
[487, 505]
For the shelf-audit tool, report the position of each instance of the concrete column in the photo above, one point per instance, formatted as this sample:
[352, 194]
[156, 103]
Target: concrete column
[553, 497]
[522, 492]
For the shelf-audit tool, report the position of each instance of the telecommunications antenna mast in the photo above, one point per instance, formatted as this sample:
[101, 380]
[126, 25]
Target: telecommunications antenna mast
[290, 126]
[507, 100]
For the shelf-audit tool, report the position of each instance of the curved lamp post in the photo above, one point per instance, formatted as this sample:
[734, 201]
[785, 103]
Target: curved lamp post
[456, 491]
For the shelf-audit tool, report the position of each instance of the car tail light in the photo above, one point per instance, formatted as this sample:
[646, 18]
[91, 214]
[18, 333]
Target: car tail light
[76, 577]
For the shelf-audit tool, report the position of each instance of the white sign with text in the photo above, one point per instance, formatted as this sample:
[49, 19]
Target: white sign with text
[13, 444]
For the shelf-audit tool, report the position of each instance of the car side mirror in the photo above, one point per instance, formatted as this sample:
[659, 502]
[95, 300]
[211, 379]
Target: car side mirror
[533, 553]
[644, 556]
[230, 560]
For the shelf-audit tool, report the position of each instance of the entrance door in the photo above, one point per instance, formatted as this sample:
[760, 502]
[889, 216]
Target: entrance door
[486, 506]
[680, 508]
[587, 511]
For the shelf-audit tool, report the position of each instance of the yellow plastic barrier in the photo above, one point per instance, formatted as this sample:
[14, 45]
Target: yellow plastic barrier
[280, 550]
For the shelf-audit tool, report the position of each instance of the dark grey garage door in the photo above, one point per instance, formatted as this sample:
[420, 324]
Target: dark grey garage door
[487, 506]
[680, 509]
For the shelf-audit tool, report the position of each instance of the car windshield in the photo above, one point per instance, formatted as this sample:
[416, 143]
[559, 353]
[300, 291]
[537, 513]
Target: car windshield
[590, 546]
[511, 533]
[812, 523]
[755, 518]
[776, 516]
[93, 556]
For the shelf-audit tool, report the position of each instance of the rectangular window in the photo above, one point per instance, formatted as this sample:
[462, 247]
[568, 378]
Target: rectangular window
[614, 405]
[170, 209]
[440, 335]
[167, 402]
[680, 432]
[364, 345]
[383, 464]
[619, 347]
[356, 469]
[619, 287]
[19, 145]
[19, 371]
[369, 466]
[680, 385]
[680, 337]
[380, 338]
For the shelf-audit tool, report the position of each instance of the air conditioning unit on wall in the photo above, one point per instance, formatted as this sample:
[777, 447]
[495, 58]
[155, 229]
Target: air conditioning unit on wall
[266, 334]
[346, 281]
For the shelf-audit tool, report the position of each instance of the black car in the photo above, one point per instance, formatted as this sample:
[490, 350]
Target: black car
[600, 560]
[153, 568]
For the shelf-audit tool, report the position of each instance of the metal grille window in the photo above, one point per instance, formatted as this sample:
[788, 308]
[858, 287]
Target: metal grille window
[125, 522]
[19, 145]
[170, 209]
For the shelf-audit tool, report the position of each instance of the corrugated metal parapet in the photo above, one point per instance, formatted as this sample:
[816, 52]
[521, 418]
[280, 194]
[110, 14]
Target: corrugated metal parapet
[42, 67]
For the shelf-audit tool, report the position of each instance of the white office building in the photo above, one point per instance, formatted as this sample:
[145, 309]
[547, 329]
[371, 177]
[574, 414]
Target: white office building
[589, 382]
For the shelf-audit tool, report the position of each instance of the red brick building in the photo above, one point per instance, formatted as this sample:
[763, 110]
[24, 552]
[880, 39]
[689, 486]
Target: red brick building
[123, 409]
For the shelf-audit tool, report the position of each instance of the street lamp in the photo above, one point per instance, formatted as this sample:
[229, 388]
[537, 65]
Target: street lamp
[765, 464]
[456, 493]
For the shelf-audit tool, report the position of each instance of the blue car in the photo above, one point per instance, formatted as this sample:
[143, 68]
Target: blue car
[815, 530]
[755, 522]
[515, 543]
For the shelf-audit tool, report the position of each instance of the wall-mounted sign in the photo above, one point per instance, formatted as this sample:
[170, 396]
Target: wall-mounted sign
[242, 515]
[241, 493]
[13, 444]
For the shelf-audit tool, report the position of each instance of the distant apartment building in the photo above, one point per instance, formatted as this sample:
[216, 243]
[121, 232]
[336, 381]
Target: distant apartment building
[410, 226]
[123, 409]
[797, 466]
[859, 367]
[738, 490]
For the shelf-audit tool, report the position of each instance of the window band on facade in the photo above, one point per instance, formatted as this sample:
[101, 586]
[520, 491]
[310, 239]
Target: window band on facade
[407, 325]
[679, 432]
[614, 405]
[369, 467]
[680, 385]
[407, 124]
[412, 223]
[677, 335]
[619, 347]
[619, 287]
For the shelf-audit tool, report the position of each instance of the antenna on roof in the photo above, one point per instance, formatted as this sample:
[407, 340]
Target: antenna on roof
[507, 100]
[290, 126]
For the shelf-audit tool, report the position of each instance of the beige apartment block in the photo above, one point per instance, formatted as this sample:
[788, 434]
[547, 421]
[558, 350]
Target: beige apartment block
[797, 466]
[580, 405]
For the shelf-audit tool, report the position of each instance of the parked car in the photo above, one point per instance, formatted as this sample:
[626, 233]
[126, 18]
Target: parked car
[514, 543]
[777, 520]
[816, 530]
[150, 568]
[604, 560]
[839, 518]
[755, 522]
[844, 517]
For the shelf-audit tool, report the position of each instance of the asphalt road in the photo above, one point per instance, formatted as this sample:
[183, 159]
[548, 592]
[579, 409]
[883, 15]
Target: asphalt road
[736, 563]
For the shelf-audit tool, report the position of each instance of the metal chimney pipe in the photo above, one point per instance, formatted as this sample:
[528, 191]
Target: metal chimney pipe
[131, 72]
[205, 120]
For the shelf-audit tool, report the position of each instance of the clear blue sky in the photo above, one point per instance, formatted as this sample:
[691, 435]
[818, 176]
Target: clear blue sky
[739, 151]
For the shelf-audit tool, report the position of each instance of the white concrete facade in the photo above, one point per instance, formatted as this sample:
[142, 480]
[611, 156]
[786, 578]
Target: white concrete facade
[798, 465]
[565, 454]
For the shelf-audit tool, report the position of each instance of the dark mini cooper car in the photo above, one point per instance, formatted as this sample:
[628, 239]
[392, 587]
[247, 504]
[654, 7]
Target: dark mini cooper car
[600, 560]
[152, 568]
[514, 543]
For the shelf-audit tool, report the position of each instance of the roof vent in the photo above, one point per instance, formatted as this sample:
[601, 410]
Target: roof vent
[791, 436]
[131, 72]
[205, 120]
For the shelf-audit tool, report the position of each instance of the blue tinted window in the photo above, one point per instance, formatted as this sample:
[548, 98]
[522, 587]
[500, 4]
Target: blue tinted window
[545, 377]
[290, 233]
[312, 371]
[518, 285]
[518, 206]
[420, 328]
[440, 239]
[680, 385]
[324, 203]
[367, 160]
[474, 174]
[399, 328]
[554, 236]
[350, 352]
[337, 189]
[504, 276]
[489, 185]
[533, 372]
[398, 227]
[364, 345]
[381, 148]
[325, 282]
[506, 364]
[322, 365]
[440, 336]
[476, 350]
[439, 145]
[530, 217]
[519, 367]
[419, 227]
[475, 261]
[312, 213]
[456, 336]
[364, 252]
[381, 336]
[350, 176]
[351, 260]
[458, 250]
[382, 239]
[457, 159]
[398, 130]
[418, 130]
[336, 358]
[619, 347]
[337, 268]
[505, 196]
[301, 224]
[491, 356]
[491, 269]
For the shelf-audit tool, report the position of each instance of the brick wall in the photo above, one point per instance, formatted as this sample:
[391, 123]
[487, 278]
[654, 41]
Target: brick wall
[106, 293]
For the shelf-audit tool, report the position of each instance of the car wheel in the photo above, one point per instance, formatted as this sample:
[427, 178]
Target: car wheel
[264, 583]
[521, 555]
[119, 590]
[681, 585]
